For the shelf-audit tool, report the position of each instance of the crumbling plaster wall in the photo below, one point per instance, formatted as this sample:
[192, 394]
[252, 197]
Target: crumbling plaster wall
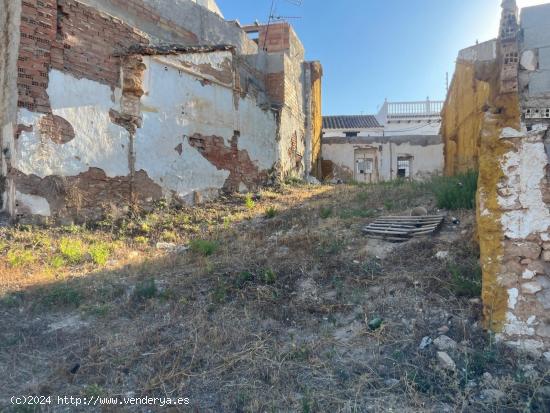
[106, 116]
[464, 110]
[190, 125]
[10, 17]
[177, 21]
[513, 208]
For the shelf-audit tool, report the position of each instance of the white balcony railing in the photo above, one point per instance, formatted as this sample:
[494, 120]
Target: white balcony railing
[411, 110]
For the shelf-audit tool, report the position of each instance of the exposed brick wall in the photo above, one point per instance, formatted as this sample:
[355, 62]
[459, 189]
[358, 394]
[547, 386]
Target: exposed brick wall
[56, 128]
[275, 37]
[237, 162]
[38, 33]
[275, 86]
[70, 37]
[90, 39]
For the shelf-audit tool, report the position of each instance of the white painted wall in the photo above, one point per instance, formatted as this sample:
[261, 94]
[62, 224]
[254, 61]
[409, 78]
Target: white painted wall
[412, 128]
[362, 132]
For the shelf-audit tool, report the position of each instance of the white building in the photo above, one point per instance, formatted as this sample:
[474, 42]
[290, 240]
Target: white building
[401, 141]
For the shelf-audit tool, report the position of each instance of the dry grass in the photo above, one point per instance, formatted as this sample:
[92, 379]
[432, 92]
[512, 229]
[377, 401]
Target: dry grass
[274, 318]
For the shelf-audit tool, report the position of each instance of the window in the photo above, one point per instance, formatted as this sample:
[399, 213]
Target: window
[404, 166]
[351, 134]
[365, 166]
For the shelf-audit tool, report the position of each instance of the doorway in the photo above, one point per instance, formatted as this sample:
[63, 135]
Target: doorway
[366, 167]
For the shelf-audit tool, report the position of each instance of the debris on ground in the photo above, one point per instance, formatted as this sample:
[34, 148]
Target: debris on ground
[403, 228]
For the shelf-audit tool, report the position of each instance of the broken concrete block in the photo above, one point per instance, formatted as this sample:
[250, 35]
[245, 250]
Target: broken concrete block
[546, 256]
[425, 342]
[492, 395]
[444, 343]
[442, 255]
[524, 249]
[529, 60]
[446, 361]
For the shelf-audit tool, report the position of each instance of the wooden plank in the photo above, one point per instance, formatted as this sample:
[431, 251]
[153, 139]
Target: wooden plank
[412, 217]
[408, 223]
[378, 224]
[388, 238]
[416, 221]
[388, 231]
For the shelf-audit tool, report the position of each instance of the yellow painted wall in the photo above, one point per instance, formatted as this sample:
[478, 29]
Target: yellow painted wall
[317, 118]
[463, 115]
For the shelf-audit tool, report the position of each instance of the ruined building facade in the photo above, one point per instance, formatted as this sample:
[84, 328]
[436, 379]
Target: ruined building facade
[112, 102]
[401, 141]
[497, 120]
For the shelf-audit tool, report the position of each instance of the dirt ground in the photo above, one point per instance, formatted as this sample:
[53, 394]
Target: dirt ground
[260, 305]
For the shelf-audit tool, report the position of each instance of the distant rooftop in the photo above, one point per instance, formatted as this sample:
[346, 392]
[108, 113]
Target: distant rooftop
[350, 122]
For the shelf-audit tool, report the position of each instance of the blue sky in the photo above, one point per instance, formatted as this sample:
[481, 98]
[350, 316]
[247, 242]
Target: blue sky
[376, 49]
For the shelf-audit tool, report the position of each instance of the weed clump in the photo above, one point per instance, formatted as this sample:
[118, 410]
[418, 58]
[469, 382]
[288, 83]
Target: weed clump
[203, 247]
[269, 276]
[271, 212]
[465, 280]
[325, 213]
[72, 250]
[145, 290]
[62, 296]
[100, 253]
[249, 202]
[20, 258]
[456, 192]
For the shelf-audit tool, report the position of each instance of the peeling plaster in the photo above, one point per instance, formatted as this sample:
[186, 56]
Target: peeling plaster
[514, 326]
[98, 142]
[32, 204]
[178, 106]
[529, 162]
[512, 298]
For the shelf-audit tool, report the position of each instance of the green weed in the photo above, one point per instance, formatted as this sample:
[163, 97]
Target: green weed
[243, 278]
[271, 212]
[100, 253]
[203, 247]
[249, 202]
[356, 213]
[465, 280]
[145, 290]
[169, 236]
[61, 296]
[20, 258]
[456, 192]
[73, 250]
[325, 213]
[269, 277]
[57, 262]
[219, 295]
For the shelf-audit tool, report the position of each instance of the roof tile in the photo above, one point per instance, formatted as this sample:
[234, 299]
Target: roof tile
[350, 122]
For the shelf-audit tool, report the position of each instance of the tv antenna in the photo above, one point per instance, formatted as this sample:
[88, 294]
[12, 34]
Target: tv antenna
[273, 17]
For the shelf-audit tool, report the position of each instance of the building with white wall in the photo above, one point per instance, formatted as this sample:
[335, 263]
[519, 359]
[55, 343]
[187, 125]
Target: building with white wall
[401, 141]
